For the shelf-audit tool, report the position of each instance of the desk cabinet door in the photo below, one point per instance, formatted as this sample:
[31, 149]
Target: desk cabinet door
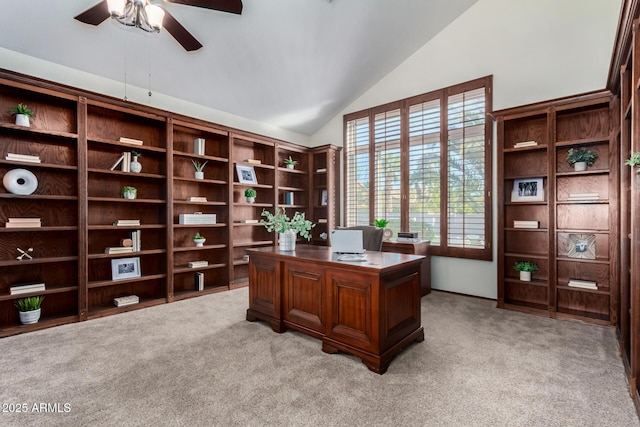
[303, 295]
[264, 293]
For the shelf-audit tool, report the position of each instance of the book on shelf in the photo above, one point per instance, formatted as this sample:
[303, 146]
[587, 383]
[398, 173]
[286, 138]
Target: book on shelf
[288, 198]
[322, 220]
[118, 249]
[22, 158]
[126, 222]
[23, 222]
[525, 144]
[585, 284]
[135, 240]
[253, 161]
[198, 146]
[249, 221]
[25, 288]
[199, 281]
[197, 264]
[119, 161]
[320, 170]
[125, 166]
[131, 141]
[127, 300]
[525, 224]
[196, 199]
[583, 196]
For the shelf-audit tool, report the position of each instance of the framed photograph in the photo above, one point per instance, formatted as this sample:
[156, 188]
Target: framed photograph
[528, 190]
[246, 174]
[323, 198]
[125, 268]
[582, 246]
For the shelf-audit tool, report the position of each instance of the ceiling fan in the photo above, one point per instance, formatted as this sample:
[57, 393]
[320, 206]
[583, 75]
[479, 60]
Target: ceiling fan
[150, 17]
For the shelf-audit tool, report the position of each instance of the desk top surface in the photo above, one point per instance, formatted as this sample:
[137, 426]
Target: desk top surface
[322, 254]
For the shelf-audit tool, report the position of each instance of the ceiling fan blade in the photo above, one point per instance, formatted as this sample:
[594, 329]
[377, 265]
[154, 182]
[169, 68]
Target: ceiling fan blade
[95, 15]
[231, 6]
[178, 32]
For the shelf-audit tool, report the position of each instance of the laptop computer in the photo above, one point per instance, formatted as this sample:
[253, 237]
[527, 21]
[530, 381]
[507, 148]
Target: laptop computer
[347, 241]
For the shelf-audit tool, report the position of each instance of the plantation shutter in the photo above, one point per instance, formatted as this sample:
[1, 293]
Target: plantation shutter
[357, 172]
[387, 176]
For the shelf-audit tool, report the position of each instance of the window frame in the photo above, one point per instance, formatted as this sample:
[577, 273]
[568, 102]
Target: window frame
[404, 105]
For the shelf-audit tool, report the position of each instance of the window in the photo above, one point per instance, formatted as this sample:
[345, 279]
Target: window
[424, 164]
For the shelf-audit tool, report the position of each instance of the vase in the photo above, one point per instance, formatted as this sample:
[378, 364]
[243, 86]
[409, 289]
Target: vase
[250, 199]
[387, 233]
[580, 166]
[525, 276]
[135, 166]
[20, 181]
[287, 241]
[22, 120]
[199, 175]
[29, 317]
[199, 242]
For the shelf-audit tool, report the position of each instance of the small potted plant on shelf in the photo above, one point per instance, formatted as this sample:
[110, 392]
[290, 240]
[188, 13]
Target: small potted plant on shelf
[29, 309]
[23, 114]
[286, 227]
[250, 195]
[290, 163]
[634, 160]
[525, 268]
[199, 240]
[135, 166]
[581, 158]
[129, 192]
[199, 168]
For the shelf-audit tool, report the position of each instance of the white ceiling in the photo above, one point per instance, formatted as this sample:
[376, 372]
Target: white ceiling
[292, 64]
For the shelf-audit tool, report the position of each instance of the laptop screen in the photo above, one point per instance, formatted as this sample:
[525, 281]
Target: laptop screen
[347, 241]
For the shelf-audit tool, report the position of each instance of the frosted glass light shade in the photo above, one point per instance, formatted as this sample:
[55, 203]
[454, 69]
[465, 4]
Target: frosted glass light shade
[155, 16]
[116, 7]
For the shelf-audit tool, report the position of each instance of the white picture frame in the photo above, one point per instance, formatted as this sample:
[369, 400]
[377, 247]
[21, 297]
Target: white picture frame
[582, 246]
[125, 268]
[246, 174]
[528, 190]
[324, 198]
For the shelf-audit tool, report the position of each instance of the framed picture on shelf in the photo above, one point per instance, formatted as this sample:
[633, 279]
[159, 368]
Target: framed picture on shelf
[246, 174]
[528, 190]
[125, 268]
[323, 198]
[582, 246]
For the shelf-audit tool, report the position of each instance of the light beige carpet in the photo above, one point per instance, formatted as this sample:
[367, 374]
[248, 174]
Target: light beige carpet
[199, 363]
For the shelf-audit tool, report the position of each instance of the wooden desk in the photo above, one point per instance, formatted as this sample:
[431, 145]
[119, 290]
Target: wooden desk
[416, 248]
[369, 309]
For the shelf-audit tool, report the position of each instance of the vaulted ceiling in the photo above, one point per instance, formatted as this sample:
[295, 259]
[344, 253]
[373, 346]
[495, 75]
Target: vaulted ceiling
[292, 64]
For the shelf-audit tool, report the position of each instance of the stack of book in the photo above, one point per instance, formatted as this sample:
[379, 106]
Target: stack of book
[576, 197]
[288, 198]
[199, 281]
[127, 222]
[525, 144]
[198, 264]
[584, 284]
[196, 199]
[249, 221]
[25, 288]
[118, 249]
[23, 223]
[22, 158]
[131, 141]
[124, 161]
[253, 161]
[525, 224]
[320, 170]
[322, 220]
[128, 300]
[135, 240]
[198, 146]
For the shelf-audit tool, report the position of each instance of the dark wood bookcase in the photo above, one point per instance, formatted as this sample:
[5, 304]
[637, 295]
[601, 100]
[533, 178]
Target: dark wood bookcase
[565, 219]
[77, 136]
[324, 193]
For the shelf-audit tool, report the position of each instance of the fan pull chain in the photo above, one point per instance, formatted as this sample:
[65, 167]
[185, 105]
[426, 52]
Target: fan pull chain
[125, 71]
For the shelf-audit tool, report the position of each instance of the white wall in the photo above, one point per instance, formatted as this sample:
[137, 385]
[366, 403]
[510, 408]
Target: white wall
[31, 66]
[535, 49]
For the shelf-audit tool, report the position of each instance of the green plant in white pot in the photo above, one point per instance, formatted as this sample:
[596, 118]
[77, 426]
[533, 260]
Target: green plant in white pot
[199, 167]
[634, 160]
[581, 158]
[29, 308]
[129, 192]
[286, 227]
[199, 240]
[525, 268]
[23, 114]
[250, 195]
[290, 163]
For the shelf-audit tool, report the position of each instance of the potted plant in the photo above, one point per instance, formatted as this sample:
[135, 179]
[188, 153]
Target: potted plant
[581, 158]
[290, 163]
[199, 240]
[634, 160]
[382, 223]
[23, 114]
[199, 168]
[250, 195]
[525, 268]
[29, 309]
[287, 227]
[135, 166]
[129, 192]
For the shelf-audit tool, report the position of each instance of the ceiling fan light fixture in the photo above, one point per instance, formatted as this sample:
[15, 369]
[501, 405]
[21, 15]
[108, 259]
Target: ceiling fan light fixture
[117, 8]
[155, 16]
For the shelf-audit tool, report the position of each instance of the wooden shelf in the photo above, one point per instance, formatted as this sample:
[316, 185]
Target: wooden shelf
[103, 283]
[37, 131]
